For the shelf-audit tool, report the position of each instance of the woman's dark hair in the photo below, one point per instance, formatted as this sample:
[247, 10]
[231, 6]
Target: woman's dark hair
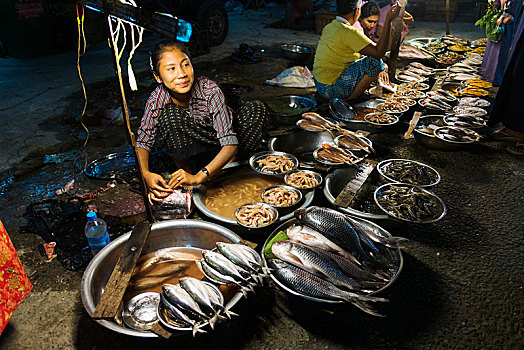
[164, 46]
[369, 9]
[346, 6]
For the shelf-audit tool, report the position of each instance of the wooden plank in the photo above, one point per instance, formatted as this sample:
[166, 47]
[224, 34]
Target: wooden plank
[116, 286]
[349, 192]
[161, 331]
[412, 124]
[248, 243]
[396, 28]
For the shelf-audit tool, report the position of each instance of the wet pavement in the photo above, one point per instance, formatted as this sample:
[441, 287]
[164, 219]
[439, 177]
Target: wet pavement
[461, 285]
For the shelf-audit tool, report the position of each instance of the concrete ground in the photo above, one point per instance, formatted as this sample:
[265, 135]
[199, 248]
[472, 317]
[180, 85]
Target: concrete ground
[462, 283]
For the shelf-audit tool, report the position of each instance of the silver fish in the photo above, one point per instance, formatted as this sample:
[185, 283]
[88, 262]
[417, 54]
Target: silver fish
[220, 278]
[198, 291]
[308, 284]
[171, 311]
[310, 237]
[225, 266]
[310, 260]
[178, 297]
[237, 255]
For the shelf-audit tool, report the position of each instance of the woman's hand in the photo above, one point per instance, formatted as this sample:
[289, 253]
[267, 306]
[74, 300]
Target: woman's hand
[383, 77]
[393, 12]
[183, 178]
[158, 187]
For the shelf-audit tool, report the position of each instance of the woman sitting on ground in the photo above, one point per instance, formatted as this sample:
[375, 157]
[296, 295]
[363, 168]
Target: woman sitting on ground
[189, 118]
[338, 69]
[379, 29]
[367, 22]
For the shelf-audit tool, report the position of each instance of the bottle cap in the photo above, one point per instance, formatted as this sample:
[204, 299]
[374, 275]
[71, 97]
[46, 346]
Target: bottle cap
[91, 216]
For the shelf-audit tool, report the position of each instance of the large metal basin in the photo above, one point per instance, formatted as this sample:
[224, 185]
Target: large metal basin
[165, 234]
[239, 169]
[335, 183]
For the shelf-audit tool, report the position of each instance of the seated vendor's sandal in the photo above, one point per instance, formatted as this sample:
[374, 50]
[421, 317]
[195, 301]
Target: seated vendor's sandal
[502, 136]
[516, 149]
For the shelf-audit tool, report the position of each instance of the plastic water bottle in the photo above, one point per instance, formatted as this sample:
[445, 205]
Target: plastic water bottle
[96, 232]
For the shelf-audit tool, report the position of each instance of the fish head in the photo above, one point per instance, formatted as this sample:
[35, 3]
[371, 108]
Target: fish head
[301, 213]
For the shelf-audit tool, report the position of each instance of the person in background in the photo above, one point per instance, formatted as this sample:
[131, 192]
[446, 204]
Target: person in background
[300, 14]
[379, 29]
[507, 108]
[338, 69]
[188, 117]
[368, 20]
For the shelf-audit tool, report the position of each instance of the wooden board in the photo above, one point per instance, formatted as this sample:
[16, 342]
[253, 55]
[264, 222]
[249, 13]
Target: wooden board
[116, 286]
[349, 192]
[412, 124]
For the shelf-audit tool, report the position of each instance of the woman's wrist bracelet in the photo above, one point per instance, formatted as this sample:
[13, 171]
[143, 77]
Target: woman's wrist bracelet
[205, 171]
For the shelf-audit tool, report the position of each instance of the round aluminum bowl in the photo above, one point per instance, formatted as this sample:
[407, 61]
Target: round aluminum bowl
[261, 155]
[395, 121]
[382, 165]
[289, 188]
[396, 252]
[481, 122]
[441, 206]
[317, 176]
[427, 140]
[239, 169]
[265, 205]
[296, 104]
[335, 183]
[297, 52]
[340, 109]
[165, 234]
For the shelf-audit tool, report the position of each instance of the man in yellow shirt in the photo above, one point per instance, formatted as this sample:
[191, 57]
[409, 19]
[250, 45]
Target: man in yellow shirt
[338, 69]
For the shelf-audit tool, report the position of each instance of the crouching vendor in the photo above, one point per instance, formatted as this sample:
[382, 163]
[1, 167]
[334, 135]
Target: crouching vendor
[338, 68]
[189, 119]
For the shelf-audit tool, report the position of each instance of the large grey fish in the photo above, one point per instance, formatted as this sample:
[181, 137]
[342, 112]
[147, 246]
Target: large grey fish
[218, 303]
[308, 284]
[310, 260]
[171, 311]
[388, 241]
[334, 226]
[178, 297]
[312, 238]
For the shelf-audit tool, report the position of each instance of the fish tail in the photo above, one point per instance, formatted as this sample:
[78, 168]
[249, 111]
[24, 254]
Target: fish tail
[396, 242]
[230, 313]
[372, 284]
[197, 330]
[366, 308]
[213, 320]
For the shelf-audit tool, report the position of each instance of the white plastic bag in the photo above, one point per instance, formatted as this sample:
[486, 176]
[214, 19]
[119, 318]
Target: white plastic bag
[295, 77]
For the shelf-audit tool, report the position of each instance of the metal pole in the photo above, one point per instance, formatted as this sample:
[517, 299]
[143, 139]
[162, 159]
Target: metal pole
[396, 28]
[447, 17]
[129, 133]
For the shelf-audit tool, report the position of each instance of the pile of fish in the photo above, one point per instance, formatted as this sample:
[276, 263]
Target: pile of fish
[414, 72]
[456, 134]
[331, 256]
[470, 111]
[448, 58]
[473, 101]
[315, 122]
[302, 179]
[275, 164]
[255, 215]
[410, 52]
[408, 203]
[192, 303]
[413, 85]
[352, 141]
[465, 121]
[409, 172]
[332, 154]
[234, 264]
[438, 100]
[473, 59]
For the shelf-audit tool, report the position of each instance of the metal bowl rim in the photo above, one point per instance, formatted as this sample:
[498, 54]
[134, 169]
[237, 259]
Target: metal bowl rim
[280, 284]
[268, 206]
[87, 276]
[317, 176]
[444, 208]
[382, 163]
[286, 186]
[255, 157]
